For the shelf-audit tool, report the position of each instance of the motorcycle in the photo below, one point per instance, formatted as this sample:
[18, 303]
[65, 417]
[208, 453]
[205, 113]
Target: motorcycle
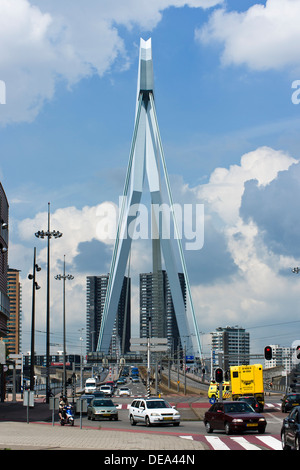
[68, 417]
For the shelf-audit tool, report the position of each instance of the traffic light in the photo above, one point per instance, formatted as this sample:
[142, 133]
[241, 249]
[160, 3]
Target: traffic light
[219, 375]
[268, 353]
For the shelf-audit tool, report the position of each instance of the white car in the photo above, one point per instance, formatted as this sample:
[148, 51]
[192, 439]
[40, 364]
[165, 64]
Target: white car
[124, 391]
[153, 411]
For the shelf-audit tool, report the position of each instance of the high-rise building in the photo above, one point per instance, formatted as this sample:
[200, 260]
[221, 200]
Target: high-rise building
[14, 292]
[4, 299]
[96, 293]
[231, 345]
[156, 305]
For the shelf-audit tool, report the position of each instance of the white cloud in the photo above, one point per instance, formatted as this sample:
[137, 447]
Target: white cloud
[257, 292]
[43, 43]
[37, 49]
[225, 188]
[263, 37]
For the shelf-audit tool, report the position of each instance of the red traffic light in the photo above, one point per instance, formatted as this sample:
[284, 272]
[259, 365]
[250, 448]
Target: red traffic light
[219, 375]
[268, 353]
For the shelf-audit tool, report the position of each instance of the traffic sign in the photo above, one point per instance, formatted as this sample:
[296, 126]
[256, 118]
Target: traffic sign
[138, 348]
[28, 398]
[156, 344]
[152, 348]
[15, 366]
[152, 340]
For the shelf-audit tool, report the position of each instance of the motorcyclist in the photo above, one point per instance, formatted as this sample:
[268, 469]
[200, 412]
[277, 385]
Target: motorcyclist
[63, 402]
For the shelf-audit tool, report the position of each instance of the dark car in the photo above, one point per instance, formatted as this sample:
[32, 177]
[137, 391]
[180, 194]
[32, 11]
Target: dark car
[234, 416]
[290, 431]
[289, 401]
[98, 394]
[252, 402]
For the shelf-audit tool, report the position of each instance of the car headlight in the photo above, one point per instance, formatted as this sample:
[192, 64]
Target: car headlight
[261, 419]
[154, 414]
[237, 420]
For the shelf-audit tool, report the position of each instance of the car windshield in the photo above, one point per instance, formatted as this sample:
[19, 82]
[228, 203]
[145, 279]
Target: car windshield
[103, 403]
[295, 398]
[157, 404]
[238, 407]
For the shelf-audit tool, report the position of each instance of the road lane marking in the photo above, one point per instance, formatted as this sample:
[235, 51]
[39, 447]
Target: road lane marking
[270, 441]
[245, 444]
[216, 443]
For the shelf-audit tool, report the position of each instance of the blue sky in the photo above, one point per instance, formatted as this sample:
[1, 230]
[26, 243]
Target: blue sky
[223, 89]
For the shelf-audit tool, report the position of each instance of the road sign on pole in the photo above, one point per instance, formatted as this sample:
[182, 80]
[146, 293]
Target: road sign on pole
[156, 344]
[149, 345]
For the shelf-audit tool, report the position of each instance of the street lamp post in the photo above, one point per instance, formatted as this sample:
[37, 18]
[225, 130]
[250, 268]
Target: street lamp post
[35, 287]
[63, 277]
[49, 235]
[81, 339]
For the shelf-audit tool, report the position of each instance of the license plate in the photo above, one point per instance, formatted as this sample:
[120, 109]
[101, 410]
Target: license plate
[251, 425]
[168, 417]
[106, 414]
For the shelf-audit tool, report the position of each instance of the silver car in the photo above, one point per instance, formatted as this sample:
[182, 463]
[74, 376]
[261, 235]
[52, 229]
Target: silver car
[102, 408]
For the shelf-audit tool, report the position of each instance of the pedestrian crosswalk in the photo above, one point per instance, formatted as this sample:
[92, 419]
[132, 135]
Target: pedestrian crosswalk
[249, 442]
[272, 405]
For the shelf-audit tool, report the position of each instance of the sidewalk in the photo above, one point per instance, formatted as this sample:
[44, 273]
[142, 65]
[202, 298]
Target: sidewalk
[34, 436]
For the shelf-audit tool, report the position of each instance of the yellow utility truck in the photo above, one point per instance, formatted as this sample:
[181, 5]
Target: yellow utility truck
[248, 381]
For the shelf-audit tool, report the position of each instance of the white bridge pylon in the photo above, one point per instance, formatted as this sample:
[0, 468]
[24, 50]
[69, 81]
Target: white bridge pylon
[145, 157]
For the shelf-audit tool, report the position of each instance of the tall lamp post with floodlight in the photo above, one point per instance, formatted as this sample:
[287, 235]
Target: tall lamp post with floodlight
[35, 287]
[63, 277]
[48, 234]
